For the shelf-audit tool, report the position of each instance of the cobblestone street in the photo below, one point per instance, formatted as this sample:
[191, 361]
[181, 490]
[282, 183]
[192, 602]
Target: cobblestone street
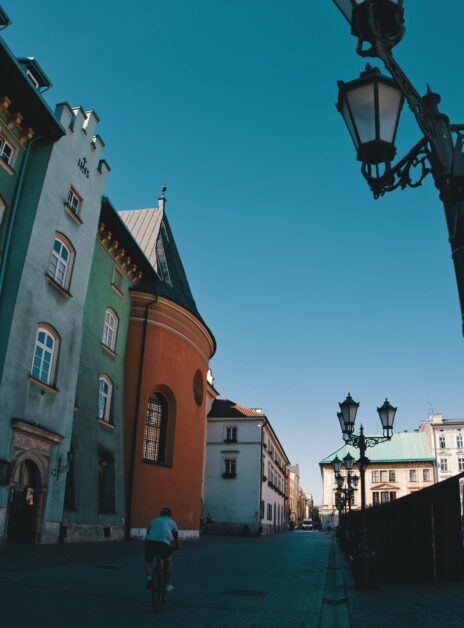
[295, 579]
[271, 581]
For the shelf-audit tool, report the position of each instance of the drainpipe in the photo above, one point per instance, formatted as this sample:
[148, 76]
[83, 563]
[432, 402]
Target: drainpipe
[17, 195]
[135, 423]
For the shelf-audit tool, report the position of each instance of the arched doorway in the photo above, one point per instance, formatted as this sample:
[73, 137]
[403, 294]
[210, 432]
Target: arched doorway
[24, 503]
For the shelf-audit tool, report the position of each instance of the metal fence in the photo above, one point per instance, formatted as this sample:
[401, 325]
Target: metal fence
[415, 538]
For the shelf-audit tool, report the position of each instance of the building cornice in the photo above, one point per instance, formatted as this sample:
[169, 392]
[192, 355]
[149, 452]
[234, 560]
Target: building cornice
[119, 255]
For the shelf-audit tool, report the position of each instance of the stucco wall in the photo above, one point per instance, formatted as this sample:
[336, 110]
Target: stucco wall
[92, 437]
[233, 501]
[177, 345]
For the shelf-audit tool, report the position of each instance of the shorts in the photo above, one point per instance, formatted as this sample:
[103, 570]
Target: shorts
[156, 548]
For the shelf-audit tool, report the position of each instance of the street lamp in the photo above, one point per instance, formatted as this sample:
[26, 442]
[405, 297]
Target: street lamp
[336, 462]
[387, 414]
[371, 107]
[349, 409]
[388, 14]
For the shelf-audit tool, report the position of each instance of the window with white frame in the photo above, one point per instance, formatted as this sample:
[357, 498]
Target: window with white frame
[392, 476]
[118, 278]
[33, 80]
[442, 442]
[458, 437]
[375, 476]
[269, 512]
[230, 467]
[383, 497]
[105, 391]
[74, 201]
[412, 475]
[383, 476]
[461, 464]
[6, 151]
[110, 329]
[426, 475]
[45, 355]
[443, 464]
[61, 261]
[230, 434]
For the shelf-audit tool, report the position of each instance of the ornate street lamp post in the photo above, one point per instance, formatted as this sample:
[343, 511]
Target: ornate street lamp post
[347, 417]
[371, 107]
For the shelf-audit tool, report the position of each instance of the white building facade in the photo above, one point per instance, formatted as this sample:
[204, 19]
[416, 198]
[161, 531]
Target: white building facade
[446, 440]
[244, 486]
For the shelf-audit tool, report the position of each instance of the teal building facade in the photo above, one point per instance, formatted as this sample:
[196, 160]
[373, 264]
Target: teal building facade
[51, 228]
[95, 500]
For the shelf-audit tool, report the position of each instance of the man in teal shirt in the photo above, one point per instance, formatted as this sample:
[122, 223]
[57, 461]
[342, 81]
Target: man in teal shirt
[162, 534]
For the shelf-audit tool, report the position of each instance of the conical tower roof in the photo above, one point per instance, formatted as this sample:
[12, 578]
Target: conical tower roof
[152, 232]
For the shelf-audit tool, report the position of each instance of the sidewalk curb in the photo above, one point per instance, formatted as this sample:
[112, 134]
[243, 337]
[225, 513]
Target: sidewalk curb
[335, 612]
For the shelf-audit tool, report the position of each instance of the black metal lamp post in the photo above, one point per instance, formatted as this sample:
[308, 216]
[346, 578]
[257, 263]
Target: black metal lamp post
[386, 413]
[371, 107]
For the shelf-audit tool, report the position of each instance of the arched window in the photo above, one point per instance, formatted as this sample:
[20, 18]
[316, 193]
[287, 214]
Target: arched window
[105, 391]
[61, 261]
[110, 329]
[45, 354]
[2, 209]
[154, 437]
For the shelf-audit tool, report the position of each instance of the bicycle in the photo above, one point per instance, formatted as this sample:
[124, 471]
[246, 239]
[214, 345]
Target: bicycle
[158, 583]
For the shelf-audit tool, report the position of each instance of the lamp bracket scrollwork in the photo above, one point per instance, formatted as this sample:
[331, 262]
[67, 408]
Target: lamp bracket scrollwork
[400, 175]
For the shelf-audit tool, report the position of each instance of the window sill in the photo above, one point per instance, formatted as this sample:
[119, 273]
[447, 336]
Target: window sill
[7, 167]
[72, 214]
[154, 463]
[229, 476]
[230, 440]
[112, 353]
[40, 384]
[118, 291]
[105, 424]
[56, 285]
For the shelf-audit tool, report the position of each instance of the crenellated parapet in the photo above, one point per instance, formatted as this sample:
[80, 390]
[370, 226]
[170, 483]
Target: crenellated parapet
[120, 256]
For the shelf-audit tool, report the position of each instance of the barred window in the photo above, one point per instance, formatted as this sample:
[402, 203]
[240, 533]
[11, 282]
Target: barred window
[154, 437]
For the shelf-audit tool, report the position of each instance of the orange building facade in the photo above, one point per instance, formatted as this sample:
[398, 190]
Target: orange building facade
[166, 392]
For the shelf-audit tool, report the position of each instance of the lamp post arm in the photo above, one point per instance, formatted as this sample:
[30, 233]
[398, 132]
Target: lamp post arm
[433, 124]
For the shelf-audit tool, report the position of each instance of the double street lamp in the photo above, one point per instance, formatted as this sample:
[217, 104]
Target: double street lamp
[347, 418]
[344, 494]
[371, 106]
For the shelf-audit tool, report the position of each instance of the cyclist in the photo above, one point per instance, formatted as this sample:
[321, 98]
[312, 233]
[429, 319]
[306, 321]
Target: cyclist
[161, 533]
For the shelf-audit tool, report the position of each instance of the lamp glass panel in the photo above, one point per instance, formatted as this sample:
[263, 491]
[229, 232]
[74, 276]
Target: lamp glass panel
[362, 105]
[342, 421]
[349, 124]
[390, 101]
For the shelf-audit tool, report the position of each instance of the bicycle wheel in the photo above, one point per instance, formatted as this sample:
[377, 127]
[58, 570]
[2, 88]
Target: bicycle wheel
[154, 595]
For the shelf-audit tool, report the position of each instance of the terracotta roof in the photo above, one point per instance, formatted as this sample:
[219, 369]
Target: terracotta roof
[227, 409]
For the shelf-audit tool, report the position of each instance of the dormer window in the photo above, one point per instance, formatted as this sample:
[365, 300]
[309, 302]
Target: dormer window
[33, 80]
[34, 73]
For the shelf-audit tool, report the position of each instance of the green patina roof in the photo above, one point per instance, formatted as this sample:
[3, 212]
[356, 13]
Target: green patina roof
[403, 447]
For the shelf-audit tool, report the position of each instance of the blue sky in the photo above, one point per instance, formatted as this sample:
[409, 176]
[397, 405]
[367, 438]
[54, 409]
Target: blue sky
[311, 287]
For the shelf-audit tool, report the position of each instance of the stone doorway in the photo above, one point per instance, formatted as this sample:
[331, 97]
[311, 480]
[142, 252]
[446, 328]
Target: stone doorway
[24, 503]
